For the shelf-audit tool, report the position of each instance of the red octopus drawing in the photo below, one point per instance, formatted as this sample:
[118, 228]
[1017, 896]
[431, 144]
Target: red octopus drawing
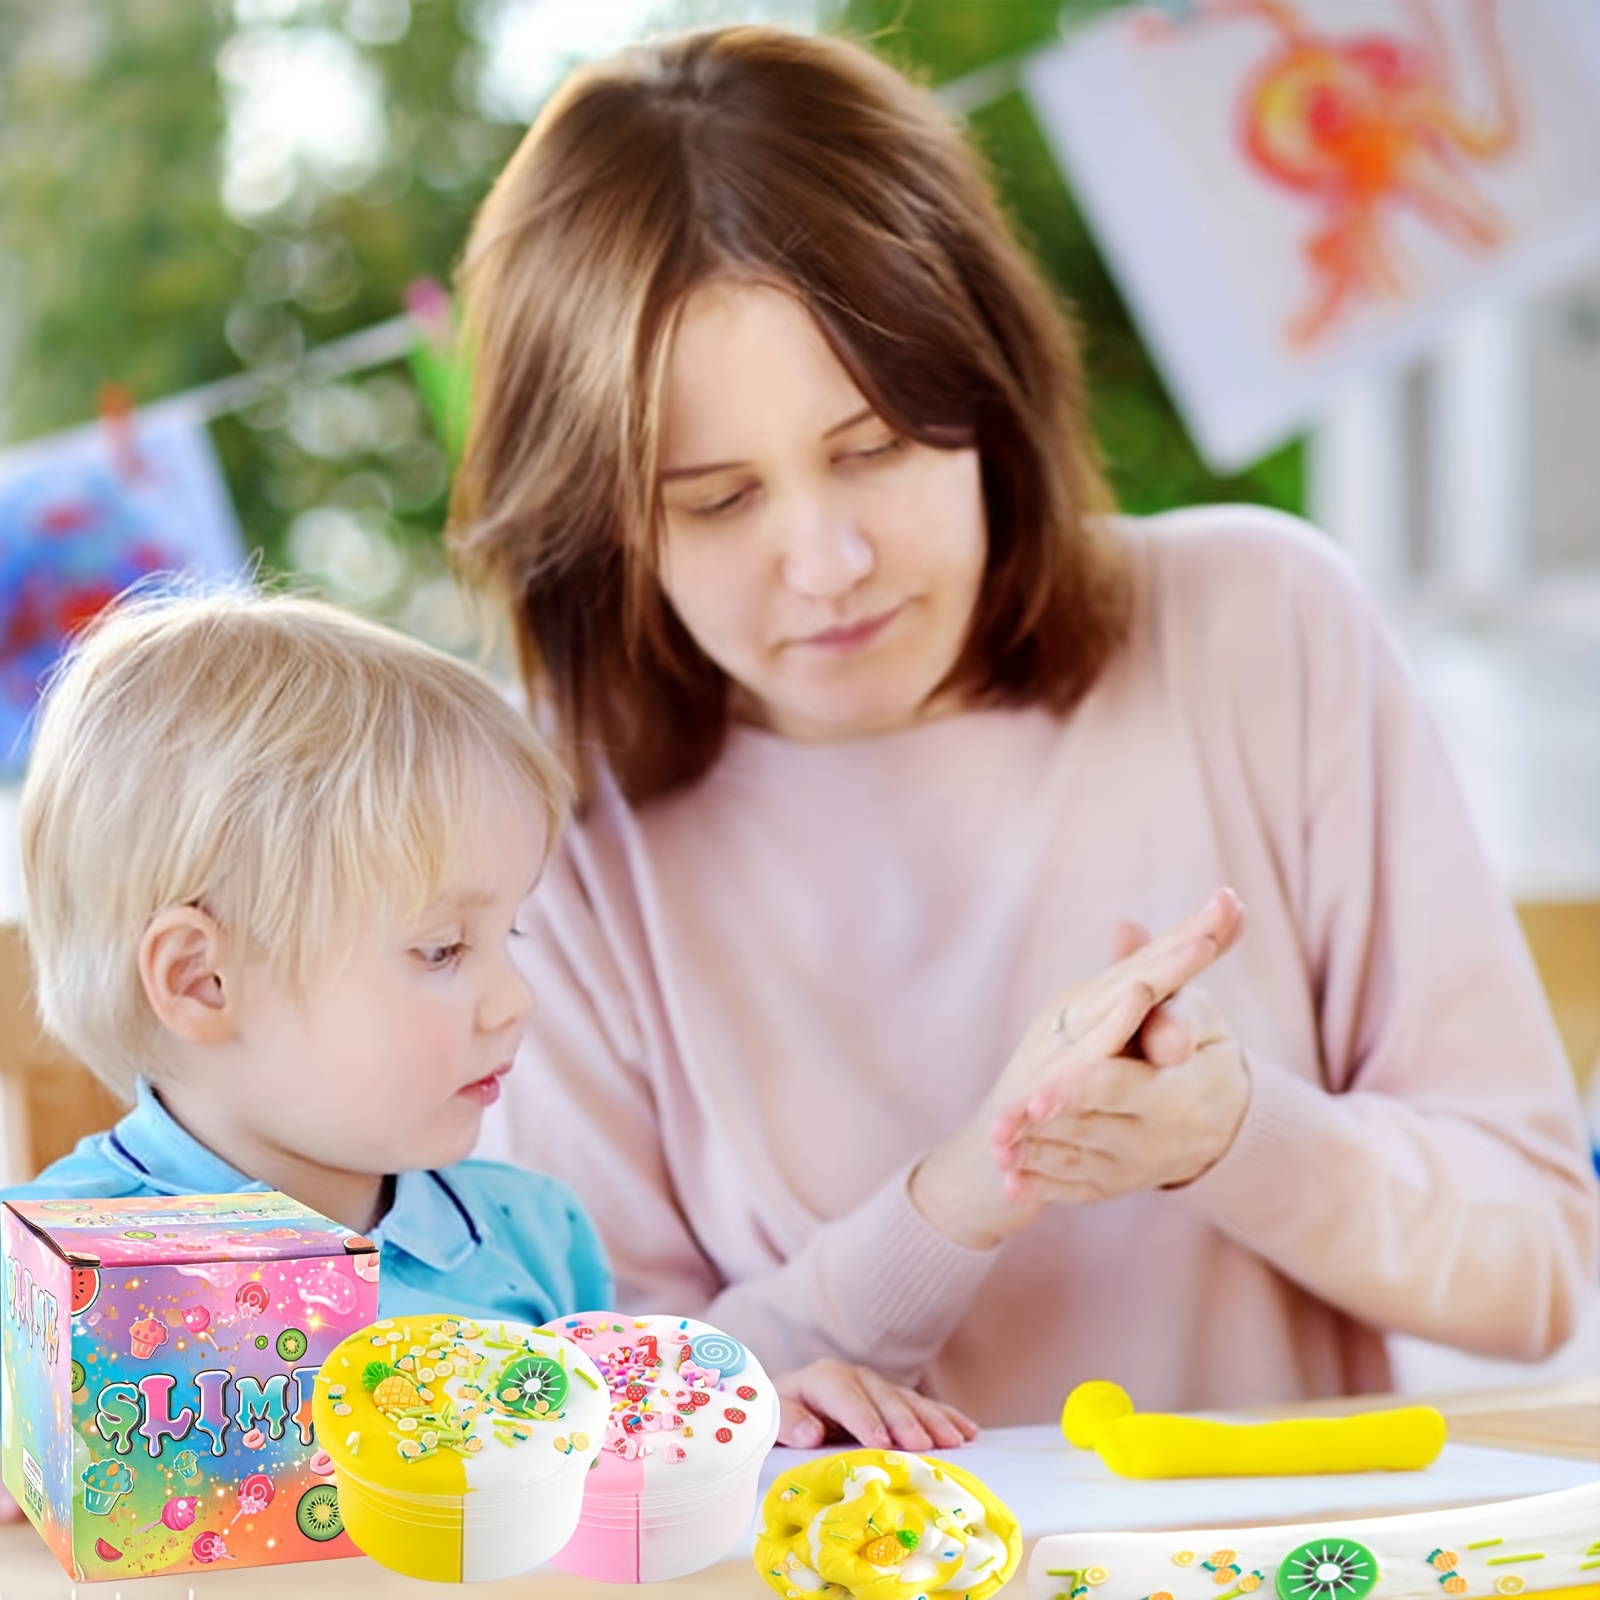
[1363, 125]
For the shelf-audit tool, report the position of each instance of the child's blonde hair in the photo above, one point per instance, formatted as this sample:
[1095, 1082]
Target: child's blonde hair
[284, 765]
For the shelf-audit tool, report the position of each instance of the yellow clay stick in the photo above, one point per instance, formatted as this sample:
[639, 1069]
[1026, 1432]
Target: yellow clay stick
[1151, 1445]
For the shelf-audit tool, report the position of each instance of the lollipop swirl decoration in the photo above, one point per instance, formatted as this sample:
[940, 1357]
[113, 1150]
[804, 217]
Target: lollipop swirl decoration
[718, 1352]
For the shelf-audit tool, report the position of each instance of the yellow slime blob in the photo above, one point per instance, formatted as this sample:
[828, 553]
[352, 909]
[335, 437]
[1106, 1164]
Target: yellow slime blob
[1099, 1416]
[885, 1525]
[1089, 1407]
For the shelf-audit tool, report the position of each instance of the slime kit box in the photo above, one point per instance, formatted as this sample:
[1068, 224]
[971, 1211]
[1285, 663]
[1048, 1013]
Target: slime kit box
[158, 1360]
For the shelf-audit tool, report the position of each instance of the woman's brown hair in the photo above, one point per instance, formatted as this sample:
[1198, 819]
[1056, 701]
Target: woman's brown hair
[805, 163]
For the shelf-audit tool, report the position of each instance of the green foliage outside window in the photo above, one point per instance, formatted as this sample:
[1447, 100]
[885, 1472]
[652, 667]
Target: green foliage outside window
[119, 261]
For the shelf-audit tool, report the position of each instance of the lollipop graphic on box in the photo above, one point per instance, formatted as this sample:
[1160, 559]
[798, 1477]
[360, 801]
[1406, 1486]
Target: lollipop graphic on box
[177, 1514]
[255, 1495]
[252, 1298]
[208, 1546]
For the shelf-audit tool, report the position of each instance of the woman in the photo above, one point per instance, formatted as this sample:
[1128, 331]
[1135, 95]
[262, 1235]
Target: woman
[884, 725]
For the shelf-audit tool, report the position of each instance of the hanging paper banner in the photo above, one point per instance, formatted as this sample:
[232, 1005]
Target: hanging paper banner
[1297, 194]
[85, 514]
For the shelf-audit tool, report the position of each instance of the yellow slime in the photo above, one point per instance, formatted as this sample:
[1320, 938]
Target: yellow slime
[1100, 1416]
[885, 1525]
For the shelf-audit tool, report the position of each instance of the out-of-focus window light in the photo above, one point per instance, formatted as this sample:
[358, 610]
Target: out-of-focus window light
[301, 103]
[532, 44]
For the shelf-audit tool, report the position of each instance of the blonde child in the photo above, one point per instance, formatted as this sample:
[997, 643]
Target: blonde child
[274, 857]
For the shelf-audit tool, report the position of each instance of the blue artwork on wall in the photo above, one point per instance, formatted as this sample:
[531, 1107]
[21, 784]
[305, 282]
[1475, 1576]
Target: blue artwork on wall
[86, 514]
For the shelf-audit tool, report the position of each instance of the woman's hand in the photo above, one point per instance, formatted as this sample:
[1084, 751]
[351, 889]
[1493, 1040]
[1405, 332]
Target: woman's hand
[10, 1511]
[1100, 1128]
[1124, 1015]
[833, 1398]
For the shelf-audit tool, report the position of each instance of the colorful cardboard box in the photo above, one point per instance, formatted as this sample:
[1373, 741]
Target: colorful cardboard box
[158, 1359]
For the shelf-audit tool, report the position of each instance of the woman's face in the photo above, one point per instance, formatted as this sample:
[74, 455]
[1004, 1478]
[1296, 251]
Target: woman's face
[828, 565]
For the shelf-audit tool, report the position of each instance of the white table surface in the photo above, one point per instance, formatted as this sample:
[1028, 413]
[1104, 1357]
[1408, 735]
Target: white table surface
[1051, 1488]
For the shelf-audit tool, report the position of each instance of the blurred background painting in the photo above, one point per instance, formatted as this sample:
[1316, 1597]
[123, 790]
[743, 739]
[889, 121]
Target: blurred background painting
[1297, 193]
[85, 515]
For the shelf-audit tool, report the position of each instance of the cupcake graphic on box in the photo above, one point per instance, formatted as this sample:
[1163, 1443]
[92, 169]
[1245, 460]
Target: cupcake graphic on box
[146, 1336]
[105, 1483]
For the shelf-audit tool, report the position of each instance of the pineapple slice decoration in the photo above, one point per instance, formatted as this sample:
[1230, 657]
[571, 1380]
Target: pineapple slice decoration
[890, 1549]
[390, 1390]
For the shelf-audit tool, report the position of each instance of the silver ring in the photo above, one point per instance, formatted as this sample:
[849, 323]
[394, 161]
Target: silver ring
[1058, 1024]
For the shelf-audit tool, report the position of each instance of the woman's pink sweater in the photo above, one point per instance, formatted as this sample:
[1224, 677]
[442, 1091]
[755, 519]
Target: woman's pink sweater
[758, 1001]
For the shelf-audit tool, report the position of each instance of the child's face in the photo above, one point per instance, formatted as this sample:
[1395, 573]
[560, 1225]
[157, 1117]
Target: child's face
[387, 1061]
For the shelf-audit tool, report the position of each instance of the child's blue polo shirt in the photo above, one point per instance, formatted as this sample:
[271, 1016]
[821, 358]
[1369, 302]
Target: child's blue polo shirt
[479, 1238]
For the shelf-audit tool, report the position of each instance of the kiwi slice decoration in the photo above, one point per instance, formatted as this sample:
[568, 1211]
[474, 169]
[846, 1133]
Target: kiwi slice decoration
[1329, 1568]
[317, 1515]
[531, 1386]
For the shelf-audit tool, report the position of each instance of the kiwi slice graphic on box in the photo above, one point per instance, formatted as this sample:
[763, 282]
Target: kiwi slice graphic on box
[317, 1515]
[291, 1344]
